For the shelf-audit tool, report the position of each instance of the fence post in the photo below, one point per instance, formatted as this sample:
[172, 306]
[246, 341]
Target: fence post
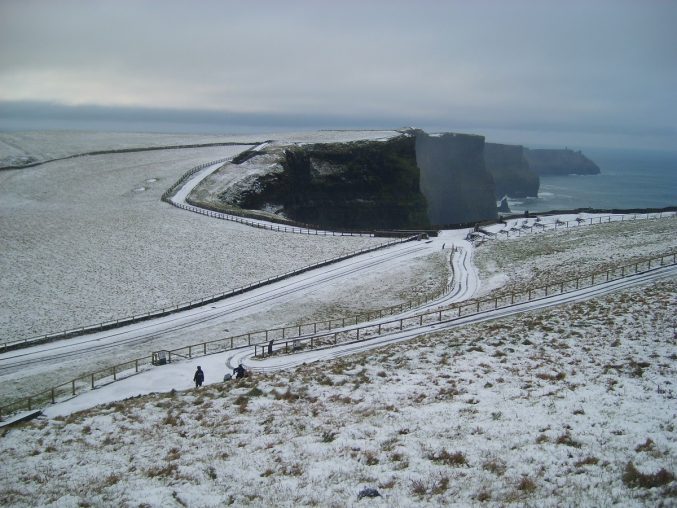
[546, 290]
[512, 298]
[114, 375]
[53, 395]
[358, 334]
[530, 295]
[204, 349]
[190, 351]
[439, 318]
[400, 325]
[335, 338]
[73, 386]
[136, 365]
[478, 305]
[92, 381]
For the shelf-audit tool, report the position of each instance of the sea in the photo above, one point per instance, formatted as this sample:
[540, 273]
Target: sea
[628, 179]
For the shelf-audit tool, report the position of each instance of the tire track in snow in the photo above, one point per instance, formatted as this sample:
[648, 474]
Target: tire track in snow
[185, 321]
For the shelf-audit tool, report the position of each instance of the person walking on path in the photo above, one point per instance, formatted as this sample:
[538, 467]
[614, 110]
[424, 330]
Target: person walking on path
[199, 377]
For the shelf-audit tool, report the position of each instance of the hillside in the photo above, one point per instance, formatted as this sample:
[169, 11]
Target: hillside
[498, 413]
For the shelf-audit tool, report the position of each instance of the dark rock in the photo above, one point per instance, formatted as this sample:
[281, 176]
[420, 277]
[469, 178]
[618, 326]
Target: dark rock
[511, 172]
[560, 162]
[357, 185]
[454, 179]
[504, 207]
[368, 492]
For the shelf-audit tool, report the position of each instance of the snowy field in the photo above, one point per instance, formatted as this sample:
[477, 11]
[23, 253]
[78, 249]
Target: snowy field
[18, 148]
[37, 146]
[539, 258]
[87, 240]
[568, 406]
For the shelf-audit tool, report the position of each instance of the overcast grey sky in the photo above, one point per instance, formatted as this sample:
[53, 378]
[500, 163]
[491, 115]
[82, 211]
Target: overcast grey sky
[577, 73]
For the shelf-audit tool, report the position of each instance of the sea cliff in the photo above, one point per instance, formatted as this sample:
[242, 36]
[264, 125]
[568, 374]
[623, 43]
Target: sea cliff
[560, 162]
[454, 180]
[511, 172]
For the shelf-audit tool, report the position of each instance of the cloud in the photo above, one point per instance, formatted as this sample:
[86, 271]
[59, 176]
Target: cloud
[573, 64]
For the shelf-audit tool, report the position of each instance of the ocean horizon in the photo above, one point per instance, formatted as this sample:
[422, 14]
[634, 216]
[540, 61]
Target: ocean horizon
[628, 179]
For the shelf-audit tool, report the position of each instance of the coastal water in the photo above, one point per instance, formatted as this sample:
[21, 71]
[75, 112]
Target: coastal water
[628, 179]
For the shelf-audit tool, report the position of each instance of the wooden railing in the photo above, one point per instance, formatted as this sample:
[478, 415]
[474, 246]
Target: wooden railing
[457, 311]
[329, 333]
[107, 325]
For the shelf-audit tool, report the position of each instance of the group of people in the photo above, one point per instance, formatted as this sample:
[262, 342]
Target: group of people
[239, 372]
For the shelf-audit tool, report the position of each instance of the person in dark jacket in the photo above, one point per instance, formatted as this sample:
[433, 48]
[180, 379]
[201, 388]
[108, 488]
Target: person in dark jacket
[239, 372]
[199, 377]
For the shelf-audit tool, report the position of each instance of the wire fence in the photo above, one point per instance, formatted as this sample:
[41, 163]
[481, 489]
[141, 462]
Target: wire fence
[328, 333]
[114, 373]
[8, 345]
[456, 311]
[257, 220]
[480, 235]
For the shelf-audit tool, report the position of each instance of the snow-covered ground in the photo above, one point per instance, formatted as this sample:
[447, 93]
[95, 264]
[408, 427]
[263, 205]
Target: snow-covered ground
[36, 146]
[537, 257]
[88, 240]
[571, 405]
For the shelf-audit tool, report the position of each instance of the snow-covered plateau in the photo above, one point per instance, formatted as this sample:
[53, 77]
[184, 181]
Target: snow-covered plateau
[569, 405]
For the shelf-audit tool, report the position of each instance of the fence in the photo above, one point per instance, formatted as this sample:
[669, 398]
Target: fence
[573, 223]
[131, 367]
[249, 219]
[456, 311]
[107, 325]
[300, 336]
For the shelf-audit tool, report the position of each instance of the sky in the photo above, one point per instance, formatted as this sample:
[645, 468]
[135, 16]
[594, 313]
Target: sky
[535, 72]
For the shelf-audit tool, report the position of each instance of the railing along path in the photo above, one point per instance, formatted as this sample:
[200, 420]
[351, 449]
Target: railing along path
[334, 332]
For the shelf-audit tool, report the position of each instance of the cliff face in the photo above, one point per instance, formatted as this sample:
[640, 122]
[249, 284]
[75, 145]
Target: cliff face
[358, 185]
[454, 179]
[511, 172]
[560, 162]
[413, 180]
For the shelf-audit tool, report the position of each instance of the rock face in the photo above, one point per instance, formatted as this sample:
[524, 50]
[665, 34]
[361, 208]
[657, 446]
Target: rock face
[410, 181]
[504, 207]
[560, 162]
[454, 180]
[511, 172]
[357, 185]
